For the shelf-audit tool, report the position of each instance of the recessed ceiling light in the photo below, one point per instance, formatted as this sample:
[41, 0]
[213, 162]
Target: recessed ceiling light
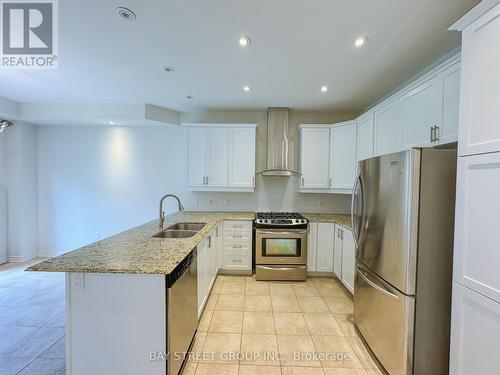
[246, 88]
[360, 41]
[168, 69]
[324, 88]
[126, 14]
[244, 41]
[189, 97]
[111, 123]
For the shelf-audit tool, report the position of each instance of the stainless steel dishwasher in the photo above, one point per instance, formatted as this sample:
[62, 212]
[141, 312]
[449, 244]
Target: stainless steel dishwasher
[182, 311]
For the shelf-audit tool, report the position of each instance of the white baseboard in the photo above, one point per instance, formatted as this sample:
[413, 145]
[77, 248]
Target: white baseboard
[48, 254]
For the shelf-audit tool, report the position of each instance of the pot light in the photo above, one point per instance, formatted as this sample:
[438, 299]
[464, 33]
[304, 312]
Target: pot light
[189, 97]
[246, 88]
[126, 14]
[244, 41]
[168, 69]
[111, 123]
[361, 41]
[324, 88]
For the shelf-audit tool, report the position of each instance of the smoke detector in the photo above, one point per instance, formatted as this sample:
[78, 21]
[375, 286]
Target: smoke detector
[126, 14]
[4, 124]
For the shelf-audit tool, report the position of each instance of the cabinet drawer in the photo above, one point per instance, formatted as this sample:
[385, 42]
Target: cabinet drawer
[245, 226]
[245, 246]
[238, 236]
[235, 260]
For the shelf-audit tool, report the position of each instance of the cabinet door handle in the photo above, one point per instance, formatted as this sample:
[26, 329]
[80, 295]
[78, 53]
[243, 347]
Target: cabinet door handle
[206, 180]
[432, 133]
[330, 182]
[302, 181]
[209, 241]
[253, 181]
[436, 133]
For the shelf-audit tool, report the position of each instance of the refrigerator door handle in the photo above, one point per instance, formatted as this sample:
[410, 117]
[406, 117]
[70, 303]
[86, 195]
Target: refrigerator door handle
[359, 181]
[381, 289]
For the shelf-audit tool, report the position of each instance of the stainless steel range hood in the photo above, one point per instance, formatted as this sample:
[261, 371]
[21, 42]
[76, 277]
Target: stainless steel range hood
[281, 160]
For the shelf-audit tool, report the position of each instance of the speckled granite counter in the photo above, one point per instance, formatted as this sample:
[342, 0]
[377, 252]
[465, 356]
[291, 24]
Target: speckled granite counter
[344, 220]
[135, 251]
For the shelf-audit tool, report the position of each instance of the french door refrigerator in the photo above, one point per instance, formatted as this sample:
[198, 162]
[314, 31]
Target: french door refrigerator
[403, 216]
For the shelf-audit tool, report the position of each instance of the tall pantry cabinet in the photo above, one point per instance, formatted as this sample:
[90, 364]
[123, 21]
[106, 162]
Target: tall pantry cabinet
[475, 331]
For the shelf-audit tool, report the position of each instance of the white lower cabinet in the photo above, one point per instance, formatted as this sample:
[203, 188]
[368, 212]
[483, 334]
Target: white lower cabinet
[475, 333]
[344, 261]
[324, 254]
[348, 259]
[312, 238]
[330, 248]
[237, 247]
[202, 273]
[337, 256]
[207, 267]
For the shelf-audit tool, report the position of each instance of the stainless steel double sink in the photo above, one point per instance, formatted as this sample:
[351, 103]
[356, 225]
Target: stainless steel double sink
[180, 230]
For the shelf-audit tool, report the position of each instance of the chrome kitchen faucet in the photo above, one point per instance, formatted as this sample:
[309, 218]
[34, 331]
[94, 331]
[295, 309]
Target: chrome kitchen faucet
[162, 214]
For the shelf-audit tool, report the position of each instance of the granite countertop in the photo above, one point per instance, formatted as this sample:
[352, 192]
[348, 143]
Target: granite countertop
[341, 219]
[135, 251]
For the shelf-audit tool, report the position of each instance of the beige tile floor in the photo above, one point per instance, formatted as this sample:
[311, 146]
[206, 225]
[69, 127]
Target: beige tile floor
[305, 328]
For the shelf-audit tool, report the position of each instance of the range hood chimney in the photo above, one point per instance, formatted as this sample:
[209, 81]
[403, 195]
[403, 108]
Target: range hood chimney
[280, 149]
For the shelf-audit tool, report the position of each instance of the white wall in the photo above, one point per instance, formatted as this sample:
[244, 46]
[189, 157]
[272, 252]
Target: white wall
[98, 181]
[3, 201]
[20, 143]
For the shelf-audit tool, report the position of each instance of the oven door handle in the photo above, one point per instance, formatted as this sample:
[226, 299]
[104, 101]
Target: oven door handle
[287, 233]
[280, 268]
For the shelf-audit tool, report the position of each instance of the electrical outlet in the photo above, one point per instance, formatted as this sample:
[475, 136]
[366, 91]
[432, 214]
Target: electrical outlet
[77, 280]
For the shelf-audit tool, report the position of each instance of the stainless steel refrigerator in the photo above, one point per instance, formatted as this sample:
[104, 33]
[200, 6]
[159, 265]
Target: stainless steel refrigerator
[403, 218]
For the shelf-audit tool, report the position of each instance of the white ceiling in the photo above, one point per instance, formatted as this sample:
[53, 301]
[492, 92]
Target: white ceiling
[297, 46]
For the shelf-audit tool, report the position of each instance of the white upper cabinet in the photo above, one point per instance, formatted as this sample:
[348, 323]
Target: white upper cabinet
[220, 157]
[196, 151]
[450, 80]
[343, 156]
[315, 156]
[365, 137]
[480, 86]
[328, 158]
[242, 157]
[421, 114]
[218, 150]
[386, 127]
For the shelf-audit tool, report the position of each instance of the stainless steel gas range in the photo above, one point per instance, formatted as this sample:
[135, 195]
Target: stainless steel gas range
[280, 246]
